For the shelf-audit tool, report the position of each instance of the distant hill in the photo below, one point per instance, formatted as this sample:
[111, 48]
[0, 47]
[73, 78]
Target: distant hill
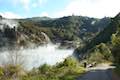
[66, 27]
[70, 28]
[36, 19]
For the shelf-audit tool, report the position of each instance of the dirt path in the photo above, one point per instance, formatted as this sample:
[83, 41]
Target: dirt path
[100, 72]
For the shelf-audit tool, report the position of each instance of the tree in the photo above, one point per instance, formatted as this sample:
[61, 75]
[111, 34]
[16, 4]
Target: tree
[44, 68]
[13, 67]
[115, 40]
[15, 57]
[116, 48]
[105, 51]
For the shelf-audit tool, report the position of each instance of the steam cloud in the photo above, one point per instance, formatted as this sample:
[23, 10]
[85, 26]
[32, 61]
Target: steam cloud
[49, 54]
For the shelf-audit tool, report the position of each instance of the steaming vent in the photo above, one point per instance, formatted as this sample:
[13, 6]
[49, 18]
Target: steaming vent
[8, 30]
[46, 37]
[7, 23]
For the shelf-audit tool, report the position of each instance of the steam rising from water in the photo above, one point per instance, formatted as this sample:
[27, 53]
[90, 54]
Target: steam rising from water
[9, 22]
[32, 57]
[49, 54]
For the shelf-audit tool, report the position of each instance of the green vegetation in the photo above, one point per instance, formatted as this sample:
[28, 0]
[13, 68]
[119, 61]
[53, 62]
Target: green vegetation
[70, 28]
[105, 46]
[100, 43]
[99, 54]
[10, 72]
[116, 51]
[67, 70]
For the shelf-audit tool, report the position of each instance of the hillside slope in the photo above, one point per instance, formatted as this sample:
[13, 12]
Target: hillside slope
[70, 30]
[105, 46]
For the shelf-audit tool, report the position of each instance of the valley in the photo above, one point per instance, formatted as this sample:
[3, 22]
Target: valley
[43, 48]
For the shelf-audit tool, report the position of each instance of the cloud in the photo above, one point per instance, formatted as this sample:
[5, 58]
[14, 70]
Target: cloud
[10, 15]
[44, 14]
[39, 3]
[91, 8]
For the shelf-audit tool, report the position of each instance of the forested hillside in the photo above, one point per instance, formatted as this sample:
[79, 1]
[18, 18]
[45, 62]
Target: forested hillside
[76, 29]
[105, 46]
[70, 30]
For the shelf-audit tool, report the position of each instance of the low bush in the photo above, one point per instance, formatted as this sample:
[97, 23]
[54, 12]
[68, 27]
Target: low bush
[67, 70]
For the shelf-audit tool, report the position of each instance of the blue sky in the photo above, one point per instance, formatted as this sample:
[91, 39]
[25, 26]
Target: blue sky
[58, 8]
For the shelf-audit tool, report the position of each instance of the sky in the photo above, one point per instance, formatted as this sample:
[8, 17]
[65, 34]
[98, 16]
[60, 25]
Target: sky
[59, 8]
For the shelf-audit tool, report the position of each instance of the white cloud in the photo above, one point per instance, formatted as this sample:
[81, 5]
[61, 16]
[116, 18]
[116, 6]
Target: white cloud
[10, 15]
[39, 3]
[92, 8]
[44, 14]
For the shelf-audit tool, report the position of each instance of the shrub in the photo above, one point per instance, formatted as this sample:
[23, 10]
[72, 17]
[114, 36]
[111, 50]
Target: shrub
[44, 68]
[1, 71]
[66, 70]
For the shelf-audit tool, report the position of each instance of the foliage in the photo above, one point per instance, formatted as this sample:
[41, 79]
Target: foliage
[117, 70]
[116, 48]
[69, 28]
[1, 71]
[69, 62]
[106, 45]
[10, 72]
[68, 70]
[99, 53]
[105, 51]
[44, 68]
[115, 40]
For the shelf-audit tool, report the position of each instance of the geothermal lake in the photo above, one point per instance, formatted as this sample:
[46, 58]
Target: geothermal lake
[34, 57]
